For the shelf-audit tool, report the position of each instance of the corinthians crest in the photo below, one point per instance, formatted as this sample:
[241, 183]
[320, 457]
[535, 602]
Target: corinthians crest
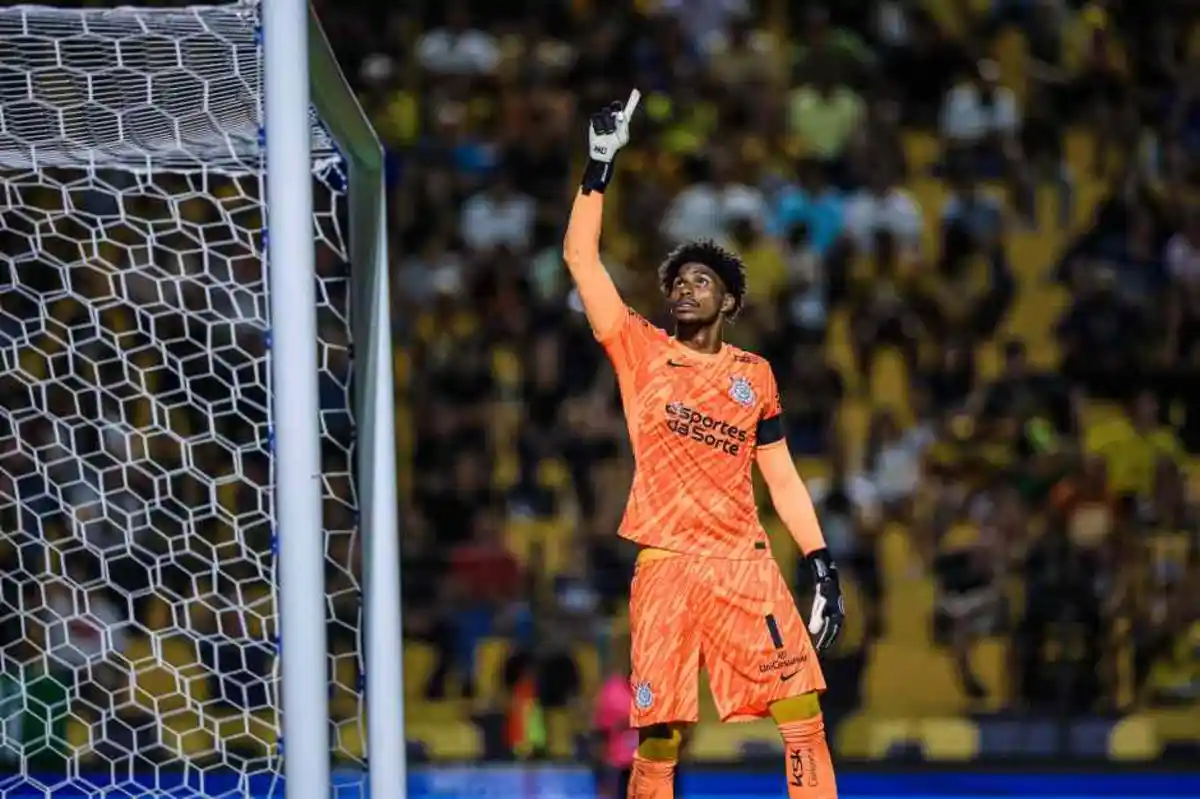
[740, 391]
[643, 697]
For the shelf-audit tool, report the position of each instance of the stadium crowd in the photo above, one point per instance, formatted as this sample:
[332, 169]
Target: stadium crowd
[972, 237]
[969, 235]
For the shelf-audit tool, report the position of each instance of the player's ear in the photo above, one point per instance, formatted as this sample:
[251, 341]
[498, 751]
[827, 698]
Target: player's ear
[728, 303]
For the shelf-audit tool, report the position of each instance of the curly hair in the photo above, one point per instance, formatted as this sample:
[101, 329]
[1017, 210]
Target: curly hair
[725, 264]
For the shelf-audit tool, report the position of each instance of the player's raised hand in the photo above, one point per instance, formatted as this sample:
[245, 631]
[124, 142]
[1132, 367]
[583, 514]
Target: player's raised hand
[608, 132]
[828, 609]
[608, 128]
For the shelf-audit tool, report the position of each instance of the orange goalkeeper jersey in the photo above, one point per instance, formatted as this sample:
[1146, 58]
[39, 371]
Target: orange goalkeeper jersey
[694, 421]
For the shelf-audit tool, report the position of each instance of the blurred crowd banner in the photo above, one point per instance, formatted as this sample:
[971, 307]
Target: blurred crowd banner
[557, 782]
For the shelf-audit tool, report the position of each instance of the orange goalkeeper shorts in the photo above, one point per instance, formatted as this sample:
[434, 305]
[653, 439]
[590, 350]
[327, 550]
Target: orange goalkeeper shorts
[736, 618]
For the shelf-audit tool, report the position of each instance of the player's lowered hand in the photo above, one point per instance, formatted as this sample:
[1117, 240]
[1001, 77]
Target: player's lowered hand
[829, 609]
[608, 129]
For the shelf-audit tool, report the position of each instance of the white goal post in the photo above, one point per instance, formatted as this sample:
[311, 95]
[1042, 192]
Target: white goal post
[197, 441]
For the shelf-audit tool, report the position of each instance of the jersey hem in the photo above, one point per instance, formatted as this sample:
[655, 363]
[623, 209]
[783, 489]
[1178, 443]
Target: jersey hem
[757, 554]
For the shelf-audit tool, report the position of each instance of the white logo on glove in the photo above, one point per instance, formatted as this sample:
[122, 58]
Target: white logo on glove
[603, 146]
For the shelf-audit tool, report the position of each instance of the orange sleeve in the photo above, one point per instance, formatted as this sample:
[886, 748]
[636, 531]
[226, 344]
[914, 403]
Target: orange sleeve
[771, 430]
[605, 310]
[790, 497]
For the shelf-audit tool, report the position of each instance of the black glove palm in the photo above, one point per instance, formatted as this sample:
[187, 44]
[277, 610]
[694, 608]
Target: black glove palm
[829, 609]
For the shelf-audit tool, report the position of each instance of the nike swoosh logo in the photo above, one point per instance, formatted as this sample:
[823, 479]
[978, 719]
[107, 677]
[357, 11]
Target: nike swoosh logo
[678, 364]
[786, 677]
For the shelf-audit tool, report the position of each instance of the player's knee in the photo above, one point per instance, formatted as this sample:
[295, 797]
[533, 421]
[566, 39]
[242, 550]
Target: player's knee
[796, 708]
[660, 742]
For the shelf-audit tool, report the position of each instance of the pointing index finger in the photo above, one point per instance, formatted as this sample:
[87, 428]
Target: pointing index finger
[631, 104]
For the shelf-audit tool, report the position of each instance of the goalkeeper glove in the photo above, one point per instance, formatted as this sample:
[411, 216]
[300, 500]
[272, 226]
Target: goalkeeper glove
[608, 132]
[828, 609]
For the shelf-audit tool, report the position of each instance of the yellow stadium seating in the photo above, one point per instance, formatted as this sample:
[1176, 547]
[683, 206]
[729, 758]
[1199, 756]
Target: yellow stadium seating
[886, 734]
[419, 661]
[944, 738]
[344, 698]
[349, 737]
[905, 678]
[948, 738]
[165, 673]
[561, 728]
[587, 659]
[490, 658]
[446, 740]
[889, 384]
[432, 710]
[255, 732]
[79, 733]
[1134, 738]
[990, 659]
[186, 733]
[1176, 724]
[725, 742]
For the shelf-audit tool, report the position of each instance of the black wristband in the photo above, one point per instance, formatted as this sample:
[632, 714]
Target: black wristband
[596, 176]
[821, 562]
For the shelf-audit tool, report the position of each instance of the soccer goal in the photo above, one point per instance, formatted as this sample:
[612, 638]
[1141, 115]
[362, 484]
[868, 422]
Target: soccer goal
[199, 560]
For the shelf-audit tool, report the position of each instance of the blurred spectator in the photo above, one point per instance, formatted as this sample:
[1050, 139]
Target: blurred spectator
[825, 114]
[437, 269]
[921, 65]
[803, 315]
[1133, 447]
[848, 506]
[884, 206]
[969, 205]
[498, 216]
[893, 463]
[483, 582]
[458, 48]
[32, 739]
[879, 148]
[616, 742]
[706, 21]
[981, 127]
[234, 648]
[814, 203]
[1182, 254]
[1103, 337]
[822, 45]
[814, 390]
[969, 565]
[1049, 99]
[1019, 386]
[710, 201]
[1103, 86]
[1182, 131]
[766, 269]
[968, 293]
[949, 380]
[743, 56]
[84, 632]
[884, 312]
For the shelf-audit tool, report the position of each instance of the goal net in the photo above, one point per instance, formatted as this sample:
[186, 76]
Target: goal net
[138, 610]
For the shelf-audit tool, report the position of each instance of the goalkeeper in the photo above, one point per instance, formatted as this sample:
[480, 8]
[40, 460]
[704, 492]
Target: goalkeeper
[706, 589]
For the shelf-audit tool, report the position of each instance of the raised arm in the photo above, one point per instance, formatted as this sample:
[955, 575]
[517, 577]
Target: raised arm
[581, 250]
[608, 132]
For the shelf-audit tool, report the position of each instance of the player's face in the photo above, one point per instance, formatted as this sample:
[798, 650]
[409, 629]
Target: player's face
[697, 296]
